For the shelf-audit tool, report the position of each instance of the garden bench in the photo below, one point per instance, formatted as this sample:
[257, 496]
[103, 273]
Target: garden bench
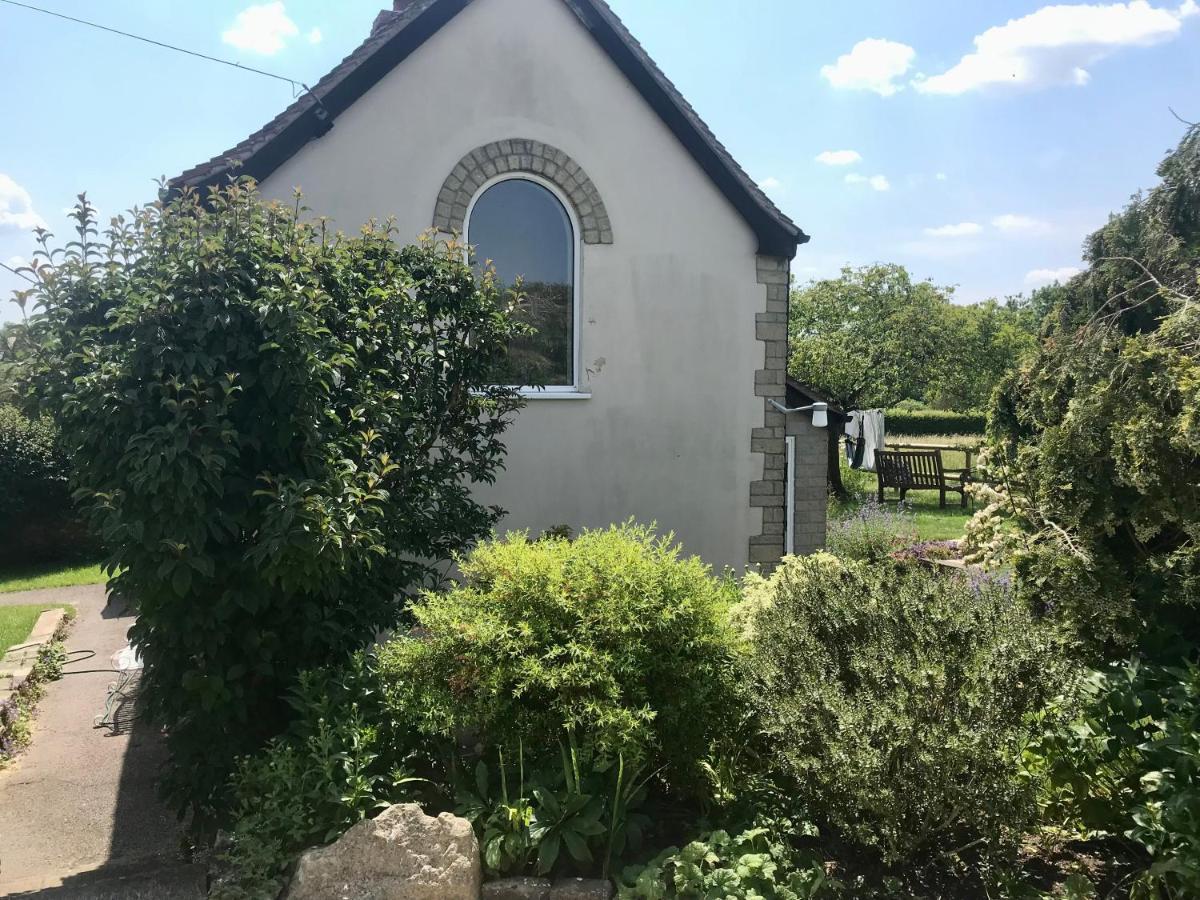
[918, 470]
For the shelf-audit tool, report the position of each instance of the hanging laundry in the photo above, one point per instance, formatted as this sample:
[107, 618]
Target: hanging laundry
[865, 434]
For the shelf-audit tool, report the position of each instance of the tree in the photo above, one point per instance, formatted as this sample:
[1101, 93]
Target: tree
[872, 337]
[983, 342]
[275, 429]
[1100, 434]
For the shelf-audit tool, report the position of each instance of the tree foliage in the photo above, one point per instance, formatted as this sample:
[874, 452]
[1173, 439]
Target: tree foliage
[1100, 434]
[874, 337]
[275, 429]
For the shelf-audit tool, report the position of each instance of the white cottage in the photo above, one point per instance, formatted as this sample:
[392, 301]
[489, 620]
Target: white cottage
[657, 270]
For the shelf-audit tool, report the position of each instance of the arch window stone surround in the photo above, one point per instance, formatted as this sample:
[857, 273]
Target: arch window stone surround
[515, 156]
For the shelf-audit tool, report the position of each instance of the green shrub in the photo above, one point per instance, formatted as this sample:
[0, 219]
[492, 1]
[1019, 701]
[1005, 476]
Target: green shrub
[1129, 764]
[578, 814]
[340, 762]
[38, 522]
[611, 637]
[899, 699]
[276, 429]
[920, 422]
[754, 865]
[1099, 433]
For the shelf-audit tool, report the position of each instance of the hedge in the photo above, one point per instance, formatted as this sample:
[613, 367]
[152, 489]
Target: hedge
[933, 421]
[37, 519]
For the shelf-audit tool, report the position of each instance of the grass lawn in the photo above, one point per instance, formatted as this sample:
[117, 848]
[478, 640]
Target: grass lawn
[933, 523]
[17, 621]
[28, 578]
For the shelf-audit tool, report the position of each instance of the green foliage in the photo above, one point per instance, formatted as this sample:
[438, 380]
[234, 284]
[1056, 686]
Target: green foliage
[899, 700]
[925, 422]
[1098, 437]
[870, 531]
[875, 337]
[37, 519]
[866, 338]
[1129, 765]
[754, 865]
[13, 350]
[276, 429]
[579, 815]
[611, 636]
[342, 761]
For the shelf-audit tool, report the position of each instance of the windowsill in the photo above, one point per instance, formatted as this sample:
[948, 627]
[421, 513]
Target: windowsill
[534, 394]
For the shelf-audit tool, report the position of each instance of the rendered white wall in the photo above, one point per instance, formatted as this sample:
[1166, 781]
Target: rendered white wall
[668, 333]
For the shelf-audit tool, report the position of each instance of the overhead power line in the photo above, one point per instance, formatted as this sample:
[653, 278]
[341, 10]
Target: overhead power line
[165, 46]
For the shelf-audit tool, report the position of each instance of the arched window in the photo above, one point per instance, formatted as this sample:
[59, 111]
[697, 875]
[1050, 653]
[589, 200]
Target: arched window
[523, 227]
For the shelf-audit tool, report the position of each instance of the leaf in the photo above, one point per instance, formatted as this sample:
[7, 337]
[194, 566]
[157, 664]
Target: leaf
[548, 853]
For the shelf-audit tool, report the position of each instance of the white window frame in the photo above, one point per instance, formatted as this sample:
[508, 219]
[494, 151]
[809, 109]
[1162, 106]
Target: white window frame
[572, 391]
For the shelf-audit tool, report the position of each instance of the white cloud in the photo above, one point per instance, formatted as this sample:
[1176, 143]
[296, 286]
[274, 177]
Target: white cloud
[1047, 276]
[16, 207]
[1011, 223]
[16, 262]
[871, 65]
[1054, 45]
[770, 183]
[962, 229]
[314, 36]
[265, 28]
[940, 176]
[877, 182]
[838, 157]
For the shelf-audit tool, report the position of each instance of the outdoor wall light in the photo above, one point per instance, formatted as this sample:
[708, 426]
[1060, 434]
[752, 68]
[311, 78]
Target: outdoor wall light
[820, 412]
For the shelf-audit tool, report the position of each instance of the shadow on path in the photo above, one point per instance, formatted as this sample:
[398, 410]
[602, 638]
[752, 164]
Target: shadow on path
[79, 813]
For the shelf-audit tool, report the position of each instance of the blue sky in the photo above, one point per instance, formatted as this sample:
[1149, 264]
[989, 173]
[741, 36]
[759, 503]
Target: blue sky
[976, 143]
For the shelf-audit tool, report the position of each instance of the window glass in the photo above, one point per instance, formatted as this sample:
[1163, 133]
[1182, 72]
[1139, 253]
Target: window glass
[522, 228]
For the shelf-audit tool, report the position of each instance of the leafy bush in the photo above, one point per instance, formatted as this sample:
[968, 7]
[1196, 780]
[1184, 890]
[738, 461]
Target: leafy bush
[1129, 765]
[753, 865]
[37, 519]
[579, 814]
[276, 430]
[341, 761]
[870, 531]
[611, 637]
[899, 699]
[921, 422]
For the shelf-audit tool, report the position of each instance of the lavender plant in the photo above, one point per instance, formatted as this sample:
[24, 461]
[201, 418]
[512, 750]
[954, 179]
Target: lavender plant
[871, 531]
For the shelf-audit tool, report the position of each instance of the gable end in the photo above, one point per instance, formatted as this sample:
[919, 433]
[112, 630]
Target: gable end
[396, 37]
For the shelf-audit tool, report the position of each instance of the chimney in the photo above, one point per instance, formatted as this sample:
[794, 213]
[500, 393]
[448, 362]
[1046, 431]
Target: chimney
[387, 16]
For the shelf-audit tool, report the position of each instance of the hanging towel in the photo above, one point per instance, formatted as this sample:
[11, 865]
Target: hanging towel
[864, 435]
[872, 437]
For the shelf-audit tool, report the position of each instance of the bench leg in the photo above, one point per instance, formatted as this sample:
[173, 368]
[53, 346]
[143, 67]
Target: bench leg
[881, 491]
[942, 499]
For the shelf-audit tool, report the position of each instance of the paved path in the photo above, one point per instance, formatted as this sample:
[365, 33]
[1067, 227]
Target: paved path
[79, 817]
